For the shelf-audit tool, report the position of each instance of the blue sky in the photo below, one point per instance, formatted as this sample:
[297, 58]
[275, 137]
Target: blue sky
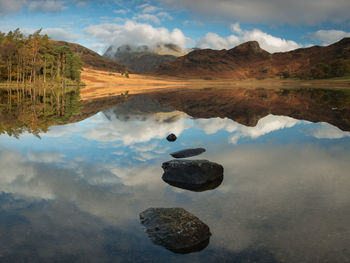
[277, 25]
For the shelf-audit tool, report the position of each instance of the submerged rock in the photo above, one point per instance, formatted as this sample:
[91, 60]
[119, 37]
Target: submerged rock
[196, 175]
[171, 137]
[188, 153]
[197, 187]
[175, 229]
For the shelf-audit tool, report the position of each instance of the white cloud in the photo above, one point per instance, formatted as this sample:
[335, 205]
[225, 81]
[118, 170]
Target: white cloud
[147, 17]
[11, 6]
[147, 8]
[120, 11]
[136, 33]
[165, 15]
[14, 6]
[268, 11]
[236, 28]
[135, 131]
[268, 42]
[213, 125]
[326, 131]
[329, 36]
[45, 157]
[81, 3]
[214, 41]
[46, 6]
[264, 126]
[60, 34]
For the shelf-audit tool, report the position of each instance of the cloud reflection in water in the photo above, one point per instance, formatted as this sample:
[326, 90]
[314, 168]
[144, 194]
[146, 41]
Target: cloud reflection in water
[290, 199]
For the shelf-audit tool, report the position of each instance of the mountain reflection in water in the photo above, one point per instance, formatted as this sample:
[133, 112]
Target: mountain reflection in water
[75, 195]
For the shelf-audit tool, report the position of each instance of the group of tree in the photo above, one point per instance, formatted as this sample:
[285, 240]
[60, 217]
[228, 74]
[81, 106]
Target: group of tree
[21, 111]
[336, 68]
[34, 59]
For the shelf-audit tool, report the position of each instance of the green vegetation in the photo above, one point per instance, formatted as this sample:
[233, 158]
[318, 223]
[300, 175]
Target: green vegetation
[35, 60]
[334, 98]
[22, 110]
[335, 69]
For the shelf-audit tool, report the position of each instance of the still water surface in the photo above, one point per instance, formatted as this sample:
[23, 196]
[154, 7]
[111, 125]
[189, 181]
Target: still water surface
[75, 193]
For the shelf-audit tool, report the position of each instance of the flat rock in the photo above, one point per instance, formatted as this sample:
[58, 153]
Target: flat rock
[171, 137]
[188, 153]
[175, 229]
[192, 173]
[195, 187]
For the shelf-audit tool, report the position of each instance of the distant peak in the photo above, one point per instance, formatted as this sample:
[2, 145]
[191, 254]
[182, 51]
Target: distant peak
[250, 45]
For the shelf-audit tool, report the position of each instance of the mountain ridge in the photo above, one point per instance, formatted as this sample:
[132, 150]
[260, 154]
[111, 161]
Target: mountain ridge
[92, 59]
[249, 60]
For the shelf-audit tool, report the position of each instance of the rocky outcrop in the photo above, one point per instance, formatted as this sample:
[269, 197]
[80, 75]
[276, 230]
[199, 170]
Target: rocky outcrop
[175, 229]
[195, 175]
[248, 60]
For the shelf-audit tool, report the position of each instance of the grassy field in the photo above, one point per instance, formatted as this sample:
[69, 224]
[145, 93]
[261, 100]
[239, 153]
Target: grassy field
[100, 84]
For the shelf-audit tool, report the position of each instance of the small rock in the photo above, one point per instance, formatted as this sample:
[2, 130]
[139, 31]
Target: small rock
[197, 187]
[175, 229]
[188, 153]
[193, 174]
[171, 137]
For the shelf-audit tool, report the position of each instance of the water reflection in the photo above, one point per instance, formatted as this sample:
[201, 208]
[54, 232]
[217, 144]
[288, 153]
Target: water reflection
[34, 110]
[248, 106]
[75, 194]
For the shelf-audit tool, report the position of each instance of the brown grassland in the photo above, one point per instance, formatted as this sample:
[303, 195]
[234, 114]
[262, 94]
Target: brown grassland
[102, 84]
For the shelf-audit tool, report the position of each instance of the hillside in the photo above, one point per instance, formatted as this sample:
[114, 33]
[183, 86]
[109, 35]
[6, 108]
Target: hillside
[93, 60]
[248, 60]
[143, 58]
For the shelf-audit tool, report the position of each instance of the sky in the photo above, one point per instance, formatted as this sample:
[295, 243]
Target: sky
[278, 25]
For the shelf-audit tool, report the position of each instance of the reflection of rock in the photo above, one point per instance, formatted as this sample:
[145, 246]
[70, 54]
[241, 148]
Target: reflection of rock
[188, 153]
[193, 174]
[197, 187]
[175, 229]
[136, 108]
[171, 137]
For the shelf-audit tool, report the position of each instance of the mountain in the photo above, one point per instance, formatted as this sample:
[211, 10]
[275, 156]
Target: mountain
[143, 58]
[93, 60]
[248, 106]
[248, 60]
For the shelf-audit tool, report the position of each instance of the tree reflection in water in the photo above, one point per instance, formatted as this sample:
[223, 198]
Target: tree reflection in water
[35, 110]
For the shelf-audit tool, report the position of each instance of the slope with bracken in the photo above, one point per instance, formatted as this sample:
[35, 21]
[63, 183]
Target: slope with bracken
[92, 59]
[248, 60]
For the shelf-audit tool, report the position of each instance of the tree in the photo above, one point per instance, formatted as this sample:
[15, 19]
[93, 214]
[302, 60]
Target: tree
[35, 59]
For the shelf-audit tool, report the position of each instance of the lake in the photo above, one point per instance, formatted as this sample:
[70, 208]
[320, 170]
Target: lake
[73, 191]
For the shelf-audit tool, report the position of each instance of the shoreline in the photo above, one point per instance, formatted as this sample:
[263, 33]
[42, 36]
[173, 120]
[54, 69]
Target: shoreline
[101, 84]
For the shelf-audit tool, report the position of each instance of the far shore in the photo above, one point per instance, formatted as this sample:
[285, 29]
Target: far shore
[99, 84]
[102, 84]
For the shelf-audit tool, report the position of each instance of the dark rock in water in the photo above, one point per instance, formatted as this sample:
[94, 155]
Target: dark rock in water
[171, 137]
[197, 187]
[175, 229]
[193, 174]
[188, 153]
